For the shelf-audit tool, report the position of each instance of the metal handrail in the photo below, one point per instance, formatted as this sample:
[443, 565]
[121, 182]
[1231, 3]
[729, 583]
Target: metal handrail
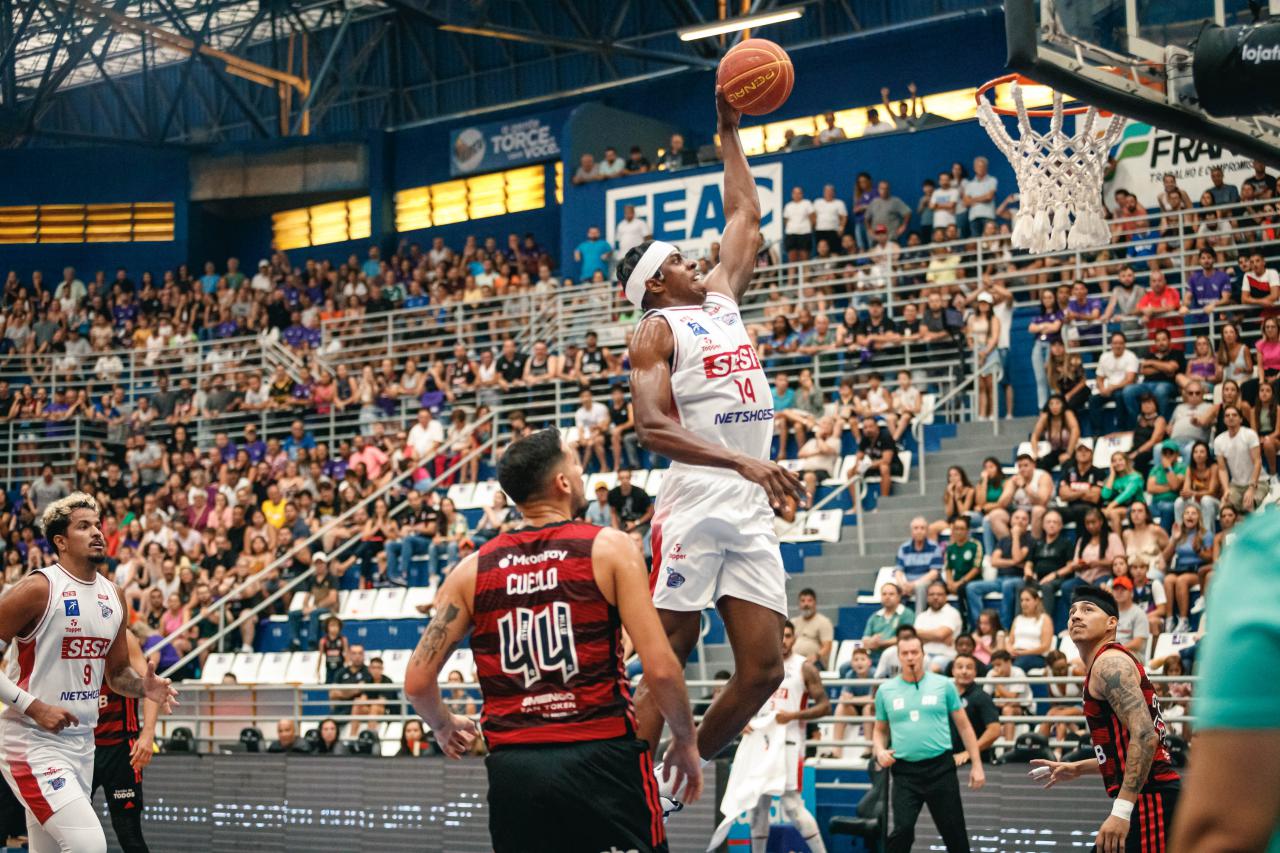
[318, 536]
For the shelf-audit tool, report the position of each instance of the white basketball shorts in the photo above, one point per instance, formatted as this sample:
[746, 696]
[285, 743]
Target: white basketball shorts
[713, 536]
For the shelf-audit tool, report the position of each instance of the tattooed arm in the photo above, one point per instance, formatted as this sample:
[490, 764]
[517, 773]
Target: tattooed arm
[450, 624]
[1115, 680]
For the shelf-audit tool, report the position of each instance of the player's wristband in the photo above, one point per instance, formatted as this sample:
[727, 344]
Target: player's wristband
[1122, 809]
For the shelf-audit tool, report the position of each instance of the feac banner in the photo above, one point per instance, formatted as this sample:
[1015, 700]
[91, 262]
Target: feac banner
[501, 145]
[1145, 154]
[689, 211]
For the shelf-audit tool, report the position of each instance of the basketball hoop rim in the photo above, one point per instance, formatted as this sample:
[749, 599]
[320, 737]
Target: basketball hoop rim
[1018, 78]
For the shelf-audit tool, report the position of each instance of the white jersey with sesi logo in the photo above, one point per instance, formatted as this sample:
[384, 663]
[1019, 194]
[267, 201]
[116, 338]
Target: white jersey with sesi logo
[62, 660]
[720, 390]
[790, 696]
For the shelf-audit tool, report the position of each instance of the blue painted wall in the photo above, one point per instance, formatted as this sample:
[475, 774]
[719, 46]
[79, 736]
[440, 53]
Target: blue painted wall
[95, 176]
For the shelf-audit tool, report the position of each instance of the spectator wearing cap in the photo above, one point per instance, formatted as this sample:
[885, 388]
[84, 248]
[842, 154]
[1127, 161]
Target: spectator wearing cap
[598, 511]
[1132, 628]
[1164, 483]
[637, 163]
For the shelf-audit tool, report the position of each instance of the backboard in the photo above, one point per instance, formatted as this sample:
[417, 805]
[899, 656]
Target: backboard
[1134, 58]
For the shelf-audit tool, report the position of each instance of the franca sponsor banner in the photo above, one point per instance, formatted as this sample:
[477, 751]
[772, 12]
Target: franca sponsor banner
[689, 211]
[501, 145]
[1145, 154]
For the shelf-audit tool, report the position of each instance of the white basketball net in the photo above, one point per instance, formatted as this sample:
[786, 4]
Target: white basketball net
[1059, 177]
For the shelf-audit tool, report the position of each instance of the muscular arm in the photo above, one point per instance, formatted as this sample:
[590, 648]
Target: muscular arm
[1115, 680]
[621, 576]
[120, 673]
[741, 239]
[660, 432]
[446, 630]
[1203, 825]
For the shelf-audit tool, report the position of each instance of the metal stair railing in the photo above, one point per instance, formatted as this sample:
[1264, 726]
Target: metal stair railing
[288, 586]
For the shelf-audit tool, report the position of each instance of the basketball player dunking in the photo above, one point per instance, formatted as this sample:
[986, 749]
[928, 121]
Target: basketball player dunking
[68, 622]
[567, 773]
[1127, 732]
[702, 400]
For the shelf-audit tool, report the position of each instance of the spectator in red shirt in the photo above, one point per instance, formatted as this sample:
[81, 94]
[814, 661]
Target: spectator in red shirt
[1161, 308]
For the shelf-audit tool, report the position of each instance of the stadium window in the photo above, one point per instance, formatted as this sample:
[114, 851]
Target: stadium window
[956, 105]
[122, 222]
[476, 197]
[320, 224]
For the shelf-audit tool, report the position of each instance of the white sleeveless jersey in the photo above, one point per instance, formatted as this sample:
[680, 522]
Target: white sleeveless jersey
[62, 660]
[720, 390]
[790, 696]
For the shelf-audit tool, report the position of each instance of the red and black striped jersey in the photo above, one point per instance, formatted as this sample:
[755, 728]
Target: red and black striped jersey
[117, 718]
[1110, 736]
[547, 645]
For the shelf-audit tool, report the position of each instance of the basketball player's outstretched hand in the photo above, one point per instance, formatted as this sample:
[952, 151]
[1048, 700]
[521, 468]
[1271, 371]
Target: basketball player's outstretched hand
[777, 482]
[456, 737]
[51, 718]
[159, 690]
[1050, 773]
[727, 114]
[683, 766]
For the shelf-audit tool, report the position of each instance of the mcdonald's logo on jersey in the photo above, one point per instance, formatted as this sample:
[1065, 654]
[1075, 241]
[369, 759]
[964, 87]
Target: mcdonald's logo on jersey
[741, 360]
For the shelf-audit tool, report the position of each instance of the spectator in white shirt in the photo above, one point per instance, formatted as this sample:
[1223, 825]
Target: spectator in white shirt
[630, 232]
[592, 420]
[1239, 454]
[612, 165]
[829, 217]
[797, 226]
[1117, 370]
[938, 625]
[262, 279]
[830, 133]
[1132, 627]
[875, 125]
[883, 254]
[943, 202]
[425, 438]
[978, 194]
[1012, 698]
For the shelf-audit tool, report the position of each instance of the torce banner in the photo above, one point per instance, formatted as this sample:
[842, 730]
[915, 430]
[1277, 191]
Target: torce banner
[501, 145]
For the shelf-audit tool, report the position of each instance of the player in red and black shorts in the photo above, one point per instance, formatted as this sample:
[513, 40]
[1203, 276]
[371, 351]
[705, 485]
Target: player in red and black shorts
[1127, 731]
[123, 749]
[548, 603]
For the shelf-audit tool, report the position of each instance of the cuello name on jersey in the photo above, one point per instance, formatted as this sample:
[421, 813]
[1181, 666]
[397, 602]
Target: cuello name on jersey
[77, 648]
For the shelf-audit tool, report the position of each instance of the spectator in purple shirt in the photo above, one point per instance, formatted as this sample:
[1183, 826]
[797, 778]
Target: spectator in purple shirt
[255, 447]
[295, 334]
[863, 194]
[1208, 288]
[227, 326]
[1081, 310]
[124, 311]
[1047, 328]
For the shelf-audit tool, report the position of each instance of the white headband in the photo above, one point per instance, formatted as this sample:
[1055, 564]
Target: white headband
[646, 268]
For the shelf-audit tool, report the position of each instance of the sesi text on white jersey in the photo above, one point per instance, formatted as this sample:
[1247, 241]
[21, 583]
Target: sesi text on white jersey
[62, 660]
[790, 696]
[721, 392]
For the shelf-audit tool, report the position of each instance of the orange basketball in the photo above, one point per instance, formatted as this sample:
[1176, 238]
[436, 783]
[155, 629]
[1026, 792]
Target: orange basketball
[756, 76]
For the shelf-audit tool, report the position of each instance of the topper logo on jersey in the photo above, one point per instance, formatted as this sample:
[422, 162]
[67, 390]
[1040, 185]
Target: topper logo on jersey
[530, 559]
[742, 359]
[81, 648]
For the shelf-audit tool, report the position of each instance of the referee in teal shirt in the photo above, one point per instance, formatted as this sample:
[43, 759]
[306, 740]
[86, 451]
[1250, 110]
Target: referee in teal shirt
[912, 710]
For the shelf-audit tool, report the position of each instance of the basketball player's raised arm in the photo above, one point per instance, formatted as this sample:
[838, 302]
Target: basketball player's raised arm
[450, 624]
[741, 238]
[21, 608]
[621, 576]
[124, 679]
[660, 431]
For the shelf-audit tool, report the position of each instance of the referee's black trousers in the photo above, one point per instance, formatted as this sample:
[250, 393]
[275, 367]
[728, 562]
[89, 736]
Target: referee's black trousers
[933, 783]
